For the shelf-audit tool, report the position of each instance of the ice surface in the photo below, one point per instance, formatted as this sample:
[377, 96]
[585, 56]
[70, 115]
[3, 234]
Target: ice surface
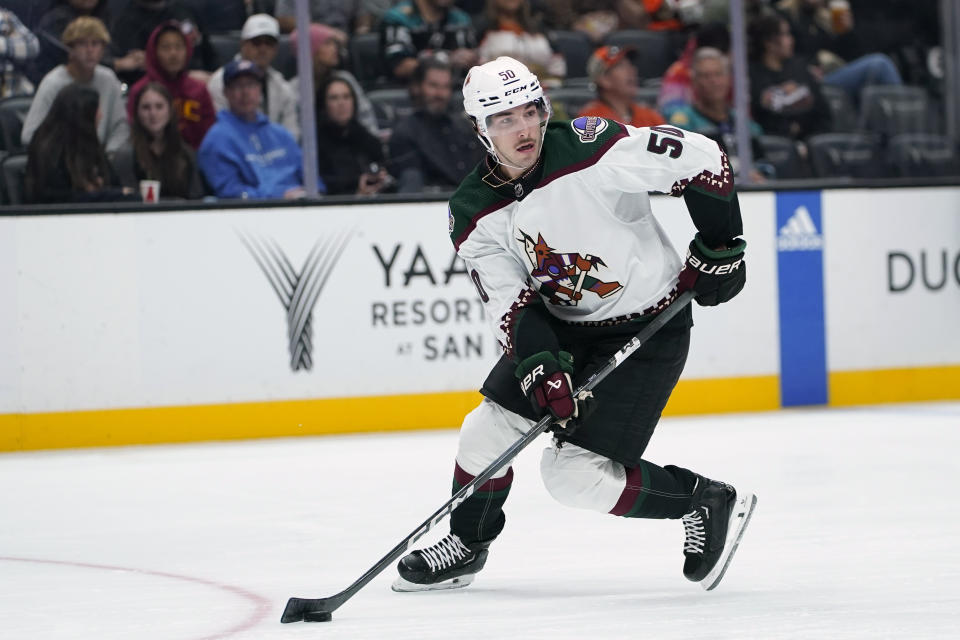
[855, 536]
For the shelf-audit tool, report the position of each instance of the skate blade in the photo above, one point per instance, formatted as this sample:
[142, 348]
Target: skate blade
[740, 518]
[405, 586]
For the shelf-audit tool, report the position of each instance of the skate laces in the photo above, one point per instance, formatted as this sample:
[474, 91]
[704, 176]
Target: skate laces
[445, 553]
[695, 532]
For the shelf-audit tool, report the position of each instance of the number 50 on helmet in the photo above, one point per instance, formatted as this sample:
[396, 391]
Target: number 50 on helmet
[499, 85]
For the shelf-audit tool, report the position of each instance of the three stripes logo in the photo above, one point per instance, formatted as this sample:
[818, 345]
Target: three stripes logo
[799, 233]
[298, 290]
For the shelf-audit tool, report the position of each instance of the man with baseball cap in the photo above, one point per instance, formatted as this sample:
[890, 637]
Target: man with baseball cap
[260, 36]
[244, 155]
[614, 72]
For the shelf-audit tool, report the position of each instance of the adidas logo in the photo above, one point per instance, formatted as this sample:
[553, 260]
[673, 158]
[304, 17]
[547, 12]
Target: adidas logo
[799, 234]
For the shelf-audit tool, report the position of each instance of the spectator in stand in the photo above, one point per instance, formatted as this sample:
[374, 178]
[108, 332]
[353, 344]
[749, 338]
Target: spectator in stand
[325, 49]
[244, 154]
[828, 44]
[351, 159]
[431, 148]
[675, 89]
[134, 25]
[785, 97]
[345, 16]
[168, 52]
[65, 160]
[222, 16]
[711, 112]
[595, 18]
[259, 37]
[156, 150]
[51, 27]
[614, 73]
[86, 39]
[17, 46]
[413, 27]
[507, 28]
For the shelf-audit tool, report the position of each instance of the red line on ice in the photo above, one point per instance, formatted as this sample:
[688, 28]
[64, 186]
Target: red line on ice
[261, 604]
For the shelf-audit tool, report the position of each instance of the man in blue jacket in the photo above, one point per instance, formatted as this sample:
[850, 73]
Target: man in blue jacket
[244, 155]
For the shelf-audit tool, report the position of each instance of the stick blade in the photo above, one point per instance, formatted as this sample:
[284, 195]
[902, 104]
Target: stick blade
[306, 609]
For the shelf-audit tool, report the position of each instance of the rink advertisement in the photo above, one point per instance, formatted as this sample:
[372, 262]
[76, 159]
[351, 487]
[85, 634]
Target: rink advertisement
[198, 325]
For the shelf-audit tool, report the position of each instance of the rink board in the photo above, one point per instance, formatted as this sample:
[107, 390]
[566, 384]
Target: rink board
[198, 325]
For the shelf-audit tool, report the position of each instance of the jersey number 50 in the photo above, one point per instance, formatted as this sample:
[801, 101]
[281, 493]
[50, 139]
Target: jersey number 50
[670, 146]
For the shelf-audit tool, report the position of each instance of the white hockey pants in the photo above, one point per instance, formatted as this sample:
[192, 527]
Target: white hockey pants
[574, 476]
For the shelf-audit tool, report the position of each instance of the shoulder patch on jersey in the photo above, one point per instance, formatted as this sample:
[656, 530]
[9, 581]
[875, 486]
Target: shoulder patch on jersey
[588, 128]
[563, 152]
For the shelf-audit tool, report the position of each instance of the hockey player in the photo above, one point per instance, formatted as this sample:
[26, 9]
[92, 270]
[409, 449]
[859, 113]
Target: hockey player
[556, 230]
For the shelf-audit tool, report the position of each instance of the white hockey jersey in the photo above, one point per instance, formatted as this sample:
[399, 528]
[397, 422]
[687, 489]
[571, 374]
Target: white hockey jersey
[577, 232]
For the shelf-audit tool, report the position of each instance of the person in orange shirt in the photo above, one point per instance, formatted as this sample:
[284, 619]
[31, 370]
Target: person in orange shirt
[614, 73]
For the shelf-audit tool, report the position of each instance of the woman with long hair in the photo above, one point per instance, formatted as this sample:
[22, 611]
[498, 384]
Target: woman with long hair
[65, 160]
[156, 150]
[350, 158]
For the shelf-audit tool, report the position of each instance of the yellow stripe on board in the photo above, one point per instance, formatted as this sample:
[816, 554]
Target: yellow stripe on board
[920, 384]
[111, 427]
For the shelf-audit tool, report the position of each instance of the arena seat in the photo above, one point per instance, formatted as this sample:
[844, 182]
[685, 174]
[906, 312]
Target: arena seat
[782, 154]
[916, 155]
[575, 48]
[390, 105]
[654, 49]
[14, 169]
[852, 155]
[13, 112]
[365, 61]
[843, 114]
[892, 109]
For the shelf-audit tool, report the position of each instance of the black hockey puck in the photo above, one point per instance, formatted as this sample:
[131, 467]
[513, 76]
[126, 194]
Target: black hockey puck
[317, 616]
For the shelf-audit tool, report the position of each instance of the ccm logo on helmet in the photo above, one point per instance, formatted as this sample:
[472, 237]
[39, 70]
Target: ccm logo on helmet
[719, 270]
[510, 92]
[529, 379]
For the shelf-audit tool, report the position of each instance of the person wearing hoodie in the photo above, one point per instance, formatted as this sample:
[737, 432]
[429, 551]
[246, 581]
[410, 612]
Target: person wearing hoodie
[136, 20]
[168, 53]
[244, 154]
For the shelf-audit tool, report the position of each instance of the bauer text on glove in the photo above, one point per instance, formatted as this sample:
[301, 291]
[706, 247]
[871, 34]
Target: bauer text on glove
[716, 275]
[545, 380]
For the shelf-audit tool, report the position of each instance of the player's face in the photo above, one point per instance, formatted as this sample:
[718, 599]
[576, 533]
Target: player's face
[516, 134]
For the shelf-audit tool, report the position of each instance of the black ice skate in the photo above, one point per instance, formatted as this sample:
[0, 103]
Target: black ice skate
[714, 526]
[449, 564]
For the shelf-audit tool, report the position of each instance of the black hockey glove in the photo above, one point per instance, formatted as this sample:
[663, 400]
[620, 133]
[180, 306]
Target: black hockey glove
[545, 380]
[716, 276]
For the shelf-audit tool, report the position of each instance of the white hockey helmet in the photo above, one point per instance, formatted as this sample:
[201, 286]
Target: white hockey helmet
[499, 85]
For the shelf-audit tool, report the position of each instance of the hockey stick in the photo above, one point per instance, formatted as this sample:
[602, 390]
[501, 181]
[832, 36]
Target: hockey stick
[321, 609]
